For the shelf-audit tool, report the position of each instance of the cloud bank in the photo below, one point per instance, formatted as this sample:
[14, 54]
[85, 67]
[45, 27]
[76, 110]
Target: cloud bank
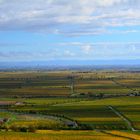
[79, 51]
[71, 18]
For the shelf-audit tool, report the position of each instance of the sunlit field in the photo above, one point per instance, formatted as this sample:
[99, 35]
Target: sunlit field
[69, 105]
[69, 135]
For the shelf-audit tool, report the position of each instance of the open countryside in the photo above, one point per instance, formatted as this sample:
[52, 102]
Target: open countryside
[70, 105]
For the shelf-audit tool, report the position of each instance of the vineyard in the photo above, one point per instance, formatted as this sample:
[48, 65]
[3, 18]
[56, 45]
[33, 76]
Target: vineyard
[70, 105]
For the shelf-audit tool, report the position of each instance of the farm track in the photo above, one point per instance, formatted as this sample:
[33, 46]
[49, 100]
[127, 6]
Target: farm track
[127, 87]
[129, 123]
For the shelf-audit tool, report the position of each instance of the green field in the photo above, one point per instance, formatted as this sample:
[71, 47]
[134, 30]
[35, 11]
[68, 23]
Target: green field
[99, 105]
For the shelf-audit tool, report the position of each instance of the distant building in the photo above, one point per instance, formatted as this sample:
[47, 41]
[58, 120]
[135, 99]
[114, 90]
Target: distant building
[19, 103]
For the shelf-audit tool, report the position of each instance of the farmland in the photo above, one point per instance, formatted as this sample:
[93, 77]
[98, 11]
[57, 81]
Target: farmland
[70, 105]
[69, 135]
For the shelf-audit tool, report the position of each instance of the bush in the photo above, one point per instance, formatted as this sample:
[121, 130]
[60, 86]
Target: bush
[32, 129]
[23, 129]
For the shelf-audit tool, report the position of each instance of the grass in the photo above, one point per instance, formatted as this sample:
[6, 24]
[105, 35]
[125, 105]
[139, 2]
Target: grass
[37, 124]
[118, 101]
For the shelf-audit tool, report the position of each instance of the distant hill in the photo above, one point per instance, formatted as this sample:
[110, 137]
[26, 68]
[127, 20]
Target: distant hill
[70, 63]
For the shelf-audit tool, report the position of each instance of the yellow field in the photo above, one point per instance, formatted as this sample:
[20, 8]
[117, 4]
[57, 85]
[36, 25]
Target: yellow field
[125, 134]
[69, 135]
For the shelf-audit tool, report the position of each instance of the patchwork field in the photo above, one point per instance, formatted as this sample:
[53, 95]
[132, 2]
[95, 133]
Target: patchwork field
[70, 105]
[66, 84]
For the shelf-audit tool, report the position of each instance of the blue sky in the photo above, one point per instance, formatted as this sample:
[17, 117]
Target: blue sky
[33, 30]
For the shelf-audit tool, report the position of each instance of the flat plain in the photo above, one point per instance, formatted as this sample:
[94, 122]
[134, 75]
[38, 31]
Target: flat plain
[71, 105]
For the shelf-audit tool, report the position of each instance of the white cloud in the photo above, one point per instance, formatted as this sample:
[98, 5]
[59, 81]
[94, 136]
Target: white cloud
[87, 49]
[78, 17]
[68, 53]
[133, 48]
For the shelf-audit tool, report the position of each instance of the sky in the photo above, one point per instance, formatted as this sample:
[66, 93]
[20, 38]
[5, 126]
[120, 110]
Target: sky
[41, 30]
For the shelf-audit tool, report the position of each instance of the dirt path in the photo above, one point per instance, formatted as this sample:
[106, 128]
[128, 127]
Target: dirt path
[128, 122]
[125, 86]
